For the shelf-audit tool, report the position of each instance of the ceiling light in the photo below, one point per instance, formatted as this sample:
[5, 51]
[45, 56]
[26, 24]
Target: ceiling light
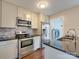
[42, 4]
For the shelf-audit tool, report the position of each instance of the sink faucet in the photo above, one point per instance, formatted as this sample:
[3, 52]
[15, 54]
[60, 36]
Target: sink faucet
[73, 30]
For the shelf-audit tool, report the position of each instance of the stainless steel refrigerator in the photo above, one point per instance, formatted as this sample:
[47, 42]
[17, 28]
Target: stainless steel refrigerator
[45, 32]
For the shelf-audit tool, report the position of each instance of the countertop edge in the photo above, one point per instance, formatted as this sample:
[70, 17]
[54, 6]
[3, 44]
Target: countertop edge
[7, 39]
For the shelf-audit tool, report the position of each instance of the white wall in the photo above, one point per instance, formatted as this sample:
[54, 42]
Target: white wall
[71, 18]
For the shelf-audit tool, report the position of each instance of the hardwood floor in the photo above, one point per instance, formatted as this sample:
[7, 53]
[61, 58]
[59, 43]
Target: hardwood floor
[36, 55]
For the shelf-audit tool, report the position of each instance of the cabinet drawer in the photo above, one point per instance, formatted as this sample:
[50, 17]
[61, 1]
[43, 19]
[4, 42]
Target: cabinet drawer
[10, 42]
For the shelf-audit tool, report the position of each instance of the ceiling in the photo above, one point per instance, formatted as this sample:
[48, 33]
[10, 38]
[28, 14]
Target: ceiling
[54, 5]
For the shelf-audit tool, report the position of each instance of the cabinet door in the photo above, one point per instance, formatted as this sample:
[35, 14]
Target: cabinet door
[9, 14]
[0, 11]
[37, 42]
[24, 14]
[8, 49]
[21, 12]
[43, 18]
[28, 15]
[34, 20]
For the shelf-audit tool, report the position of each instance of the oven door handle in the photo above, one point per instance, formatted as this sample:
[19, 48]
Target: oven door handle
[26, 39]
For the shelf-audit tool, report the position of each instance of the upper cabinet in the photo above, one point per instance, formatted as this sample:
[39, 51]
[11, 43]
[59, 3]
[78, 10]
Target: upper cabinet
[21, 13]
[43, 18]
[9, 14]
[28, 15]
[0, 11]
[24, 14]
[35, 20]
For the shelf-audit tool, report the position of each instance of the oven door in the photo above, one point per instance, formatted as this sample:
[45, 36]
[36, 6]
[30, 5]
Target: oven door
[26, 46]
[26, 42]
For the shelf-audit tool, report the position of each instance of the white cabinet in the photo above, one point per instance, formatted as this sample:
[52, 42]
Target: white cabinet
[9, 14]
[24, 14]
[21, 12]
[37, 42]
[28, 15]
[0, 11]
[34, 20]
[42, 17]
[8, 49]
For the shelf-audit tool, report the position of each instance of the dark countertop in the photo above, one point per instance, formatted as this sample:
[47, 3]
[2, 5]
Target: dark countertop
[35, 35]
[61, 50]
[7, 39]
[14, 38]
[66, 38]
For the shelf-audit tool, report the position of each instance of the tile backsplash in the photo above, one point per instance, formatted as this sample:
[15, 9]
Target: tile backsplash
[10, 32]
[24, 29]
[7, 32]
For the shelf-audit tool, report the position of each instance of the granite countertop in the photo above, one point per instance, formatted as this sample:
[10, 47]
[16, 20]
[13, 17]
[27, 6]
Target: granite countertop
[35, 35]
[12, 38]
[6, 39]
[66, 38]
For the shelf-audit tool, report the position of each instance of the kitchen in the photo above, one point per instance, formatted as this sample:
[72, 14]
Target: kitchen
[24, 28]
[14, 18]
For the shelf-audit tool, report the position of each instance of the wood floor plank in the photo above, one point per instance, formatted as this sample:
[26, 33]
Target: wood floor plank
[39, 54]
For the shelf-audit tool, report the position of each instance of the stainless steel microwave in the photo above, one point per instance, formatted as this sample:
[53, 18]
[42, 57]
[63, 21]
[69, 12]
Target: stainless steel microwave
[21, 22]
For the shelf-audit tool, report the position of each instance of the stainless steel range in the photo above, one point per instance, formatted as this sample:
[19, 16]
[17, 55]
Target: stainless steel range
[25, 45]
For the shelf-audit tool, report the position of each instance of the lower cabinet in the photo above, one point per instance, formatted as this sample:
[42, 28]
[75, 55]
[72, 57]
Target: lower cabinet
[37, 42]
[8, 49]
